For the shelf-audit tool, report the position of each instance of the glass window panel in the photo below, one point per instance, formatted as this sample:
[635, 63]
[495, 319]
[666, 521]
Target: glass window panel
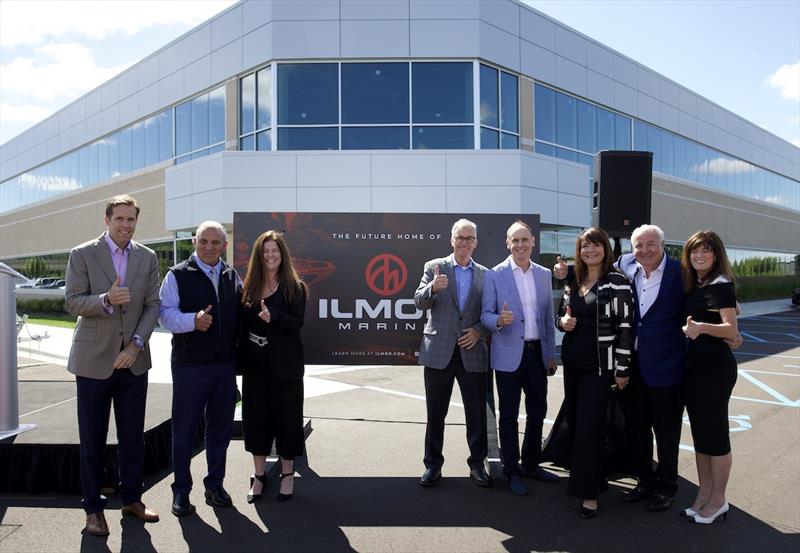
[247, 143]
[561, 153]
[691, 161]
[622, 132]
[588, 161]
[545, 113]
[75, 168]
[113, 155]
[151, 141]
[125, 151]
[654, 145]
[509, 109]
[566, 121]
[137, 143]
[313, 138]
[375, 138]
[182, 159]
[442, 93]
[667, 152]
[490, 105]
[264, 141]
[438, 138]
[545, 149]
[216, 115]
[640, 136]
[490, 140]
[165, 135]
[93, 163]
[375, 93]
[215, 149]
[264, 105]
[247, 110]
[587, 127]
[84, 165]
[199, 122]
[605, 130]
[509, 141]
[679, 161]
[308, 94]
[183, 128]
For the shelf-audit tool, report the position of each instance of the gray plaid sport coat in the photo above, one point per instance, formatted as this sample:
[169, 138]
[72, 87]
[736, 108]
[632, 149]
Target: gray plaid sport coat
[446, 321]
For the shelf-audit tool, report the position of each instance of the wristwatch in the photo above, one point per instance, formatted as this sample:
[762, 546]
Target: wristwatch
[138, 341]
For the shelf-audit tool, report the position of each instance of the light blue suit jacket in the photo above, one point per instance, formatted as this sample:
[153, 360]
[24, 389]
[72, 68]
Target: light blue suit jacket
[499, 287]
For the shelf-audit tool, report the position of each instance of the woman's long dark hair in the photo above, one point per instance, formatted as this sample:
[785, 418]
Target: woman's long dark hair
[722, 266]
[288, 279]
[598, 236]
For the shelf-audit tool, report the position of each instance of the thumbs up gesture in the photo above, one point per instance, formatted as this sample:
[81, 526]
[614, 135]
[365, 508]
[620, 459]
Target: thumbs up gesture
[264, 314]
[118, 295]
[203, 320]
[439, 282]
[568, 322]
[506, 317]
[692, 329]
[560, 269]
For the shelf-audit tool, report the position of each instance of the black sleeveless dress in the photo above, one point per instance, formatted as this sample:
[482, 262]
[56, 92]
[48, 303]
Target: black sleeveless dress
[711, 371]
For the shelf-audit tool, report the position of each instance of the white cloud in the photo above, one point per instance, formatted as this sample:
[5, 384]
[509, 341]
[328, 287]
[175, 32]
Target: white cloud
[28, 22]
[24, 114]
[59, 71]
[786, 79]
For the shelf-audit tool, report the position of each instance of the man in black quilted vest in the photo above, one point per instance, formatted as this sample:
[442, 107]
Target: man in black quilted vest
[200, 300]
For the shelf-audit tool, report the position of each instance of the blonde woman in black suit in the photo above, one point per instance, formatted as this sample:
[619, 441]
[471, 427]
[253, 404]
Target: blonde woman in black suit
[273, 309]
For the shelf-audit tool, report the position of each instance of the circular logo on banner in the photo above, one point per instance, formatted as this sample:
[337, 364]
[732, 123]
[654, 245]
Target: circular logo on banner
[386, 274]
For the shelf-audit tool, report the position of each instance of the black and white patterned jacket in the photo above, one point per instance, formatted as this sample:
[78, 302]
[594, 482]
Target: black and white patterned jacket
[615, 312]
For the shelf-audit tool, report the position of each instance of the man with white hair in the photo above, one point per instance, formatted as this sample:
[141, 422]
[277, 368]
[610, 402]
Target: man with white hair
[200, 300]
[653, 400]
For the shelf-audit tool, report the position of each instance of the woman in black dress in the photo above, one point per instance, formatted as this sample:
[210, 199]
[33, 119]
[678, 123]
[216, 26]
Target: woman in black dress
[274, 304]
[596, 313]
[711, 371]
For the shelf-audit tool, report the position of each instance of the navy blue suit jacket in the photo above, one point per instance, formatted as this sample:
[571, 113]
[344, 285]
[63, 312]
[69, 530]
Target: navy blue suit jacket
[661, 351]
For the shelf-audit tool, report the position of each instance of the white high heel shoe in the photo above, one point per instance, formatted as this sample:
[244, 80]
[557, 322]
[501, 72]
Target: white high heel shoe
[687, 512]
[709, 520]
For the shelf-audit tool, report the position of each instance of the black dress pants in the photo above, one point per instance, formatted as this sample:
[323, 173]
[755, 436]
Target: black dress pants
[586, 394]
[129, 395]
[654, 410]
[530, 377]
[438, 390]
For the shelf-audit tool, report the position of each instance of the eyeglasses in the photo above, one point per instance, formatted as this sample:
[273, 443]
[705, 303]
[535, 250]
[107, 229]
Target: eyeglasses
[467, 239]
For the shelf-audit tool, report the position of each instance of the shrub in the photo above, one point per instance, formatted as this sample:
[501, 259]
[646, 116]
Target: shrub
[40, 305]
[759, 288]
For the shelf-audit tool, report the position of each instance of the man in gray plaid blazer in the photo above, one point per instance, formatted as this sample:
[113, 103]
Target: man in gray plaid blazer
[453, 348]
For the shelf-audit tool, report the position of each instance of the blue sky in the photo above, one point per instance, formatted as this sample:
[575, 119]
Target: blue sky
[743, 55]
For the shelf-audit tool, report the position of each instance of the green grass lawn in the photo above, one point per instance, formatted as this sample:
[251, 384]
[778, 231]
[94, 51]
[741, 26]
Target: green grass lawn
[50, 319]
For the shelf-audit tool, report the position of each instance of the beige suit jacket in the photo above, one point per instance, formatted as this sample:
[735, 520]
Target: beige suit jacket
[99, 336]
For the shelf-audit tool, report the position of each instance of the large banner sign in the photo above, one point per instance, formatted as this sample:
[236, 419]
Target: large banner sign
[363, 269]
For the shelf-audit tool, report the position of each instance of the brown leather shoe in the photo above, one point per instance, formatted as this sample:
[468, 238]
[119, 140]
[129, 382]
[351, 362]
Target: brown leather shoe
[138, 510]
[96, 524]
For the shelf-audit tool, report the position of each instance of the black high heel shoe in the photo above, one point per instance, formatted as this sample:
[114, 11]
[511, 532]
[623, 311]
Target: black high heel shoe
[286, 496]
[589, 513]
[253, 497]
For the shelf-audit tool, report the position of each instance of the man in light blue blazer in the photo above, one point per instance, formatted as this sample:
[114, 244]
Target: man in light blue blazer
[518, 307]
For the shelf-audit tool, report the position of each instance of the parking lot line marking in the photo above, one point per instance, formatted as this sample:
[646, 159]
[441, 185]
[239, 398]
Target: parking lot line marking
[770, 372]
[765, 401]
[795, 336]
[766, 355]
[791, 366]
[774, 393]
[754, 338]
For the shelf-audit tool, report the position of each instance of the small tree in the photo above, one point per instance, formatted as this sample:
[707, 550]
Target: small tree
[35, 267]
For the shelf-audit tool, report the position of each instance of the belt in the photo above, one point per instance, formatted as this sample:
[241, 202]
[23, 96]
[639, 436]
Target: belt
[531, 344]
[260, 341]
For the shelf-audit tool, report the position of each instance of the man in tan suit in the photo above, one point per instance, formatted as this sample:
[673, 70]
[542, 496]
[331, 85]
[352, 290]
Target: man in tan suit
[112, 285]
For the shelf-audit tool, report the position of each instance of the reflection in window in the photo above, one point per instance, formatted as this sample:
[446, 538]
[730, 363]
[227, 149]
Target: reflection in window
[443, 138]
[255, 112]
[374, 93]
[308, 138]
[308, 94]
[375, 138]
[442, 92]
[498, 109]
[199, 124]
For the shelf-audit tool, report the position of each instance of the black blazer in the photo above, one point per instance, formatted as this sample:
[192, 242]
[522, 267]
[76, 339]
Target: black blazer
[282, 356]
